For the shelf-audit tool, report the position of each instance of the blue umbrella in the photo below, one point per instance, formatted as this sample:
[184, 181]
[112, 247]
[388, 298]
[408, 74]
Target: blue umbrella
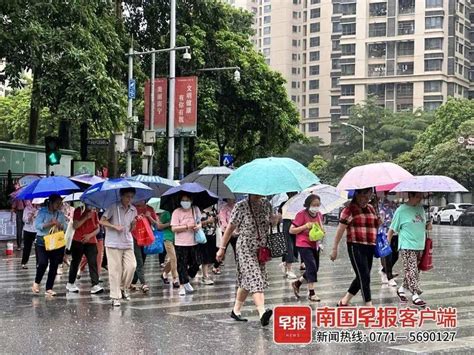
[158, 184]
[106, 193]
[202, 197]
[46, 187]
[270, 176]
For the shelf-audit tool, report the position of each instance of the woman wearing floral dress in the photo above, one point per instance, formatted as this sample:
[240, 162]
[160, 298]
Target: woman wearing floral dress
[208, 250]
[252, 217]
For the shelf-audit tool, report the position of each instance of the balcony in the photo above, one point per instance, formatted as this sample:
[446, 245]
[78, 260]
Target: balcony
[377, 30]
[406, 28]
[378, 9]
[406, 7]
[376, 70]
[405, 68]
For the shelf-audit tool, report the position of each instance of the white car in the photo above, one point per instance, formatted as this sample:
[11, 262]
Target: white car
[434, 211]
[450, 214]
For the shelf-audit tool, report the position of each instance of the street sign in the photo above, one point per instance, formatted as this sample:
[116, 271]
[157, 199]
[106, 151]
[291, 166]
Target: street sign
[228, 160]
[98, 142]
[132, 89]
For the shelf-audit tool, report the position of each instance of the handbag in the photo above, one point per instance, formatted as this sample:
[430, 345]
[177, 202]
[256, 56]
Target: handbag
[426, 261]
[69, 235]
[199, 235]
[276, 242]
[382, 246]
[157, 247]
[316, 233]
[218, 236]
[54, 240]
[263, 253]
[142, 232]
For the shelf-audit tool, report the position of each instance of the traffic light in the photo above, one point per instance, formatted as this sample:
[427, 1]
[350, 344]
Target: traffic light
[53, 156]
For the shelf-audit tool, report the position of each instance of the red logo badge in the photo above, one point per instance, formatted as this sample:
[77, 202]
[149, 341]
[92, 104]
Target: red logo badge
[292, 325]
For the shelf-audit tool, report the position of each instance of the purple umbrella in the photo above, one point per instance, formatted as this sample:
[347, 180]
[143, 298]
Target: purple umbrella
[202, 198]
[429, 183]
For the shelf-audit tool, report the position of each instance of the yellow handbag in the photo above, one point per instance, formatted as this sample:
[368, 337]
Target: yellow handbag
[54, 240]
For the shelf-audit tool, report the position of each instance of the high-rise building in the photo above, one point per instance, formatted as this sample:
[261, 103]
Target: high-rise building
[410, 54]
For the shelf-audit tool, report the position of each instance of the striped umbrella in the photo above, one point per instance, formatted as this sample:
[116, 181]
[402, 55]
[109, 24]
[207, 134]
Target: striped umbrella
[158, 184]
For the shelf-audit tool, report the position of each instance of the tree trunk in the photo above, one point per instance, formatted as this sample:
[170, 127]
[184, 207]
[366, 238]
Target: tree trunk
[112, 157]
[191, 153]
[84, 137]
[64, 134]
[34, 109]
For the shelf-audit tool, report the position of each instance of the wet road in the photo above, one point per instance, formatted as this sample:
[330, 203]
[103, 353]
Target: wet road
[163, 322]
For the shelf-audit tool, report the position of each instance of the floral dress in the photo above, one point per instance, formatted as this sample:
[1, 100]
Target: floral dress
[251, 275]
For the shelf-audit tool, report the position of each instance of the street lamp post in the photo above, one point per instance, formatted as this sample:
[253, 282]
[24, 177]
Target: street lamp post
[360, 130]
[172, 91]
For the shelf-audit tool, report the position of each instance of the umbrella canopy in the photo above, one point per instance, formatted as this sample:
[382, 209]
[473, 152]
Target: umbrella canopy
[76, 196]
[154, 203]
[45, 187]
[430, 183]
[106, 193]
[278, 199]
[212, 179]
[331, 198]
[39, 200]
[158, 184]
[87, 179]
[373, 175]
[28, 179]
[270, 176]
[202, 197]
[385, 188]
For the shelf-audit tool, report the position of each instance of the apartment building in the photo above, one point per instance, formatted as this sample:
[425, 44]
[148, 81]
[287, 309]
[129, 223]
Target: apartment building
[410, 54]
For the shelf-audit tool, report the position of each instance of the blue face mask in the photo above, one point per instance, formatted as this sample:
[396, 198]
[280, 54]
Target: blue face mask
[186, 204]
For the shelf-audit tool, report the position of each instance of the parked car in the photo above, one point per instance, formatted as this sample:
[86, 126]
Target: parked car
[332, 216]
[467, 217]
[434, 211]
[450, 214]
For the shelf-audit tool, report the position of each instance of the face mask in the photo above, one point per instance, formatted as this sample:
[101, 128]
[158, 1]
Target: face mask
[186, 204]
[314, 210]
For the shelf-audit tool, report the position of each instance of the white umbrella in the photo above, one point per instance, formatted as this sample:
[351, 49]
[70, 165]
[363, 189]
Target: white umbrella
[278, 199]
[331, 198]
[73, 197]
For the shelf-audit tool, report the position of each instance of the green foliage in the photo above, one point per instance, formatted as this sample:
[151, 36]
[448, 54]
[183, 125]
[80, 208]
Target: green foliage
[305, 150]
[207, 153]
[318, 164]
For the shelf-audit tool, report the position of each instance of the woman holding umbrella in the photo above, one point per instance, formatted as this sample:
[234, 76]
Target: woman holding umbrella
[47, 218]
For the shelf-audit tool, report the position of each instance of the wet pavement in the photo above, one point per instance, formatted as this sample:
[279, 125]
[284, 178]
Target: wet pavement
[163, 322]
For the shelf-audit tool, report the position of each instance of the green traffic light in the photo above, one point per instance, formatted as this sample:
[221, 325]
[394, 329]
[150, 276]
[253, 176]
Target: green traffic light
[54, 158]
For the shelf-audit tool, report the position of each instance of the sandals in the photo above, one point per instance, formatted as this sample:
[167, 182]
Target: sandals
[176, 284]
[216, 270]
[165, 280]
[35, 288]
[340, 304]
[401, 295]
[145, 288]
[50, 293]
[296, 289]
[419, 302]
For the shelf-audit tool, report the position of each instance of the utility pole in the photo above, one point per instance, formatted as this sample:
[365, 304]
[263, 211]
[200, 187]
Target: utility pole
[152, 109]
[129, 111]
[172, 75]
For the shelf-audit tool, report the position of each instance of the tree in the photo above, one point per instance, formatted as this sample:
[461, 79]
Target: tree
[318, 164]
[305, 150]
[249, 119]
[207, 153]
[74, 51]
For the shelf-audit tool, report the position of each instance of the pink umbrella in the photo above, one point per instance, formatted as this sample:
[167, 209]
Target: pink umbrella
[373, 175]
[385, 188]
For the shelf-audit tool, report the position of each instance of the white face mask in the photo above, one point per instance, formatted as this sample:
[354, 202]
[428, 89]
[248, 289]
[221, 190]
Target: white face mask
[314, 210]
[186, 204]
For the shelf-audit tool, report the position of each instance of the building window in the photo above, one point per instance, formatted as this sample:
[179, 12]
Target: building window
[334, 83]
[433, 86]
[267, 60]
[459, 47]
[347, 69]
[294, 98]
[405, 91]
[296, 15]
[430, 106]
[314, 70]
[405, 68]
[377, 29]
[336, 9]
[377, 50]
[295, 84]
[315, 13]
[314, 42]
[433, 43]
[349, 9]
[295, 29]
[406, 6]
[405, 48]
[347, 90]
[378, 9]
[334, 101]
[406, 27]
[267, 30]
[336, 45]
[266, 52]
[405, 107]
[294, 57]
[435, 22]
[429, 4]
[267, 19]
[336, 27]
[314, 2]
[267, 41]
[313, 112]
[313, 127]
[267, 9]
[345, 110]
[314, 27]
[314, 56]
[313, 98]
[348, 49]
[295, 43]
[433, 64]
[336, 64]
[294, 71]
[348, 29]
[376, 70]
[377, 90]
[313, 85]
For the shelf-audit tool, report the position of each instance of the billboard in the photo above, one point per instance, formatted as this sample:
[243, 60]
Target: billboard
[185, 119]
[161, 100]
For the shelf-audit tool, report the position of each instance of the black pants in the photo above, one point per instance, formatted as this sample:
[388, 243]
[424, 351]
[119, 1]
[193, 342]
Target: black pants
[188, 261]
[291, 255]
[28, 240]
[19, 227]
[361, 257]
[54, 258]
[389, 261]
[233, 242]
[140, 256]
[310, 257]
[79, 249]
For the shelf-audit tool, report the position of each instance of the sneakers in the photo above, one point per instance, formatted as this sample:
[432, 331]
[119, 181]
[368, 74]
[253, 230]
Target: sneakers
[206, 281]
[383, 277]
[115, 302]
[282, 268]
[182, 292]
[96, 289]
[188, 287]
[72, 288]
[24, 267]
[125, 295]
[392, 283]
[291, 275]
[314, 298]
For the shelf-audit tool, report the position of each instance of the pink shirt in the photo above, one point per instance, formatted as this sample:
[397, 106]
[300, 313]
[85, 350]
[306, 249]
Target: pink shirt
[182, 217]
[302, 239]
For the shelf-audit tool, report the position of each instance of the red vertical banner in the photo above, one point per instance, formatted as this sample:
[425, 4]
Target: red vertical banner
[161, 100]
[185, 106]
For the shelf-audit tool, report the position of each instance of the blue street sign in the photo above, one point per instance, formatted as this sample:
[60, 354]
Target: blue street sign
[132, 89]
[228, 159]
